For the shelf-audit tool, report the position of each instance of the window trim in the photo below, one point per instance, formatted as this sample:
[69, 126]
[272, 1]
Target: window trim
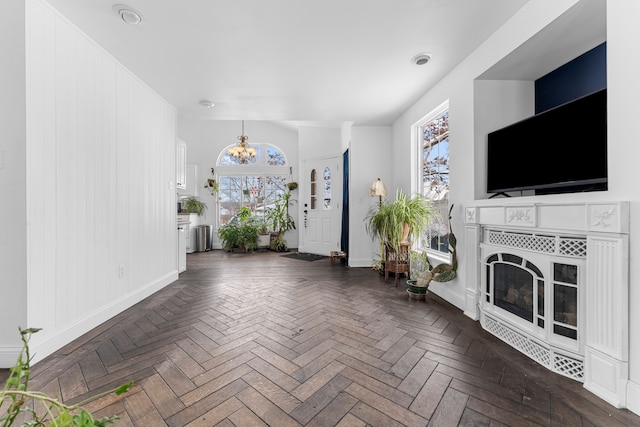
[416, 168]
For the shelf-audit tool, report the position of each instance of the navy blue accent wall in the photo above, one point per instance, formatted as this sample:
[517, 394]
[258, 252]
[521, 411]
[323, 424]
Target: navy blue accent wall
[583, 75]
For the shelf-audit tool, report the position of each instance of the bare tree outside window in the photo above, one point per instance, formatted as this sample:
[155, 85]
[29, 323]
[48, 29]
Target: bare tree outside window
[258, 193]
[434, 136]
[246, 187]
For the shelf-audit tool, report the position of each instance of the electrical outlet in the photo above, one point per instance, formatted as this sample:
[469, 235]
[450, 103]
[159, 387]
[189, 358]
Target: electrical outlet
[121, 271]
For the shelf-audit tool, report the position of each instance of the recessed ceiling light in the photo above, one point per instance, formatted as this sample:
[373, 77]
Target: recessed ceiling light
[207, 104]
[421, 58]
[128, 14]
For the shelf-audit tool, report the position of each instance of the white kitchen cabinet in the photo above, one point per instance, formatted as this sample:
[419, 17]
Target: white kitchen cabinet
[191, 233]
[181, 165]
[182, 248]
[191, 182]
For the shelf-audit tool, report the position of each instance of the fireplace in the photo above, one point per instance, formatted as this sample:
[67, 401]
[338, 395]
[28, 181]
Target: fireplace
[551, 280]
[532, 293]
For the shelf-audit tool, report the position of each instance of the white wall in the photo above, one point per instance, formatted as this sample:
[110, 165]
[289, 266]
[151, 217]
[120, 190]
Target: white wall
[623, 90]
[13, 190]
[369, 160]
[316, 142]
[497, 103]
[206, 139]
[100, 184]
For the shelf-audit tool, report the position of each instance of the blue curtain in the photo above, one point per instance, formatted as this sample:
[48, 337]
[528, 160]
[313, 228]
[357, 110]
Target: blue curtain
[344, 239]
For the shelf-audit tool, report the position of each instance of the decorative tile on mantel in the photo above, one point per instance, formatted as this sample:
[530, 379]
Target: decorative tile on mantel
[522, 216]
[470, 215]
[604, 217]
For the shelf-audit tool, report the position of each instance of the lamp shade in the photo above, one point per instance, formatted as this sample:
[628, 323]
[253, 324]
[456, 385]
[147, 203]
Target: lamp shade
[378, 189]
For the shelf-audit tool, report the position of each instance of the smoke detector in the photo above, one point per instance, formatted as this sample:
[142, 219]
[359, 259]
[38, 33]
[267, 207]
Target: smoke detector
[206, 104]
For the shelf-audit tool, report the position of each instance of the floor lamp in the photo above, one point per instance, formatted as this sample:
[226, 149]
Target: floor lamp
[378, 189]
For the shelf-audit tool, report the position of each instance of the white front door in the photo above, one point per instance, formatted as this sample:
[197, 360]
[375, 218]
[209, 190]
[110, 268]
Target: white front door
[321, 204]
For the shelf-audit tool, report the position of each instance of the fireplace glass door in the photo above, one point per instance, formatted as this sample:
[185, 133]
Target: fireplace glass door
[565, 300]
[517, 287]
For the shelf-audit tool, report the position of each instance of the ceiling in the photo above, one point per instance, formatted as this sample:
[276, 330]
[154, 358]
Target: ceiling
[329, 61]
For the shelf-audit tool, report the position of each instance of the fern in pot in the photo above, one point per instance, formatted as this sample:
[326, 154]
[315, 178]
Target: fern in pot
[193, 205]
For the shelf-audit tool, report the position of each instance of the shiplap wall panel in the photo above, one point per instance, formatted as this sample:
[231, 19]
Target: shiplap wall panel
[41, 180]
[101, 157]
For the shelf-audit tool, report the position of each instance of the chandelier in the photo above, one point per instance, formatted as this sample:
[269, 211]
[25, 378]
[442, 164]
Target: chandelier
[242, 152]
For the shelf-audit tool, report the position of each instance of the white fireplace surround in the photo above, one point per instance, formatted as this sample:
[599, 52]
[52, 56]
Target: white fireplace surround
[599, 356]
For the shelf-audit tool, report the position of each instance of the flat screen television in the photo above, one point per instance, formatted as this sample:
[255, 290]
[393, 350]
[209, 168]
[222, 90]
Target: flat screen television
[560, 150]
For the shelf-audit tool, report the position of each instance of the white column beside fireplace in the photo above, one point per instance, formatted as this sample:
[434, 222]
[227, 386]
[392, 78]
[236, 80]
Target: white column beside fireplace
[551, 280]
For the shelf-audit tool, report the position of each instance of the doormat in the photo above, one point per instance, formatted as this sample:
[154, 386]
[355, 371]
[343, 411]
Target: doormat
[304, 256]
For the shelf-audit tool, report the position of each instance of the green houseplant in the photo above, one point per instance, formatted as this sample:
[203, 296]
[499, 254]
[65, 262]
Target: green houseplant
[280, 221]
[193, 205]
[393, 222]
[422, 269]
[212, 185]
[241, 234]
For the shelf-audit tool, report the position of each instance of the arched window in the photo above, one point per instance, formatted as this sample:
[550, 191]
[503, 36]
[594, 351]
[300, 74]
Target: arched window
[266, 155]
[256, 184]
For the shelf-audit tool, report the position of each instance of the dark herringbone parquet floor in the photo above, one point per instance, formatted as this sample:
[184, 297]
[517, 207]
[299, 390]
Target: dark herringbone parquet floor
[260, 339]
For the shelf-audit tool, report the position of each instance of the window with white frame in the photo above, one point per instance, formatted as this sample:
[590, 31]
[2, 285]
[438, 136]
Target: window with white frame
[255, 185]
[432, 141]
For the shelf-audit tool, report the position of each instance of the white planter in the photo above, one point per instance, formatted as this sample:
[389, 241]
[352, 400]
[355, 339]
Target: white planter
[264, 240]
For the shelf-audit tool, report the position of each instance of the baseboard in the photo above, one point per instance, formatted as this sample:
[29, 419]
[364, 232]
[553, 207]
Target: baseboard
[606, 377]
[472, 310]
[60, 338]
[9, 356]
[633, 397]
[444, 292]
[359, 262]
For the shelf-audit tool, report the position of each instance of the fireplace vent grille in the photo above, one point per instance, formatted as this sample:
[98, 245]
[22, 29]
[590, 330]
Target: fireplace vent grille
[568, 367]
[575, 247]
[564, 365]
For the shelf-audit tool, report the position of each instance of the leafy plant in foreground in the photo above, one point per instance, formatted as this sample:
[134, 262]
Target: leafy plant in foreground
[15, 395]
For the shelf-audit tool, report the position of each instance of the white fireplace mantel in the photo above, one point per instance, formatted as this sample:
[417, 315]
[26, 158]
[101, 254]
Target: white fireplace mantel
[605, 225]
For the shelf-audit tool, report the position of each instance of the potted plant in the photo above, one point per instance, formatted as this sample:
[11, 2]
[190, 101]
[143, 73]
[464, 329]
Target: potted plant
[292, 185]
[402, 219]
[212, 185]
[393, 223]
[422, 269]
[418, 288]
[280, 221]
[241, 234]
[264, 237]
[193, 205]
